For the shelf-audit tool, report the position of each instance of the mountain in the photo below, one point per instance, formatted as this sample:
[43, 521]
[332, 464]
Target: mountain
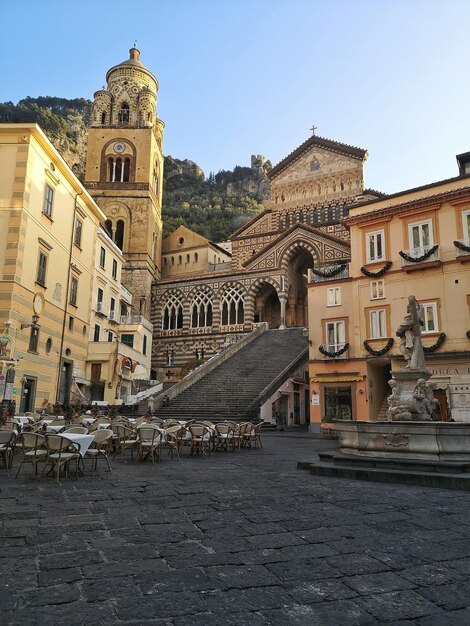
[213, 207]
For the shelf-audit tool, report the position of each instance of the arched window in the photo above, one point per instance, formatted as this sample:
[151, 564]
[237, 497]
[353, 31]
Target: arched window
[172, 313]
[108, 225]
[119, 235]
[180, 260]
[149, 116]
[188, 258]
[196, 257]
[232, 307]
[172, 260]
[110, 169]
[164, 261]
[103, 117]
[201, 311]
[155, 179]
[127, 168]
[123, 116]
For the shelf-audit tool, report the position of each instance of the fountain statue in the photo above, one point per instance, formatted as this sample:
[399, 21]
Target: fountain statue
[412, 397]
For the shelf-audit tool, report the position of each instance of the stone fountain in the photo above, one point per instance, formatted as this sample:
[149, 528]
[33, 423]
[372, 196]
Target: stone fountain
[411, 431]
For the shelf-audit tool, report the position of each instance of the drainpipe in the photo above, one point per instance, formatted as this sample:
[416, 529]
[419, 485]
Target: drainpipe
[66, 306]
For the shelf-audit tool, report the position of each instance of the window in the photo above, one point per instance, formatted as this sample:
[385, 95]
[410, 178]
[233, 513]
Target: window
[128, 339]
[144, 345]
[110, 336]
[172, 313]
[48, 200]
[201, 311]
[112, 308]
[42, 266]
[71, 321]
[115, 269]
[466, 225]
[123, 116]
[375, 246]
[377, 324]
[335, 334]
[333, 296]
[96, 333]
[99, 300]
[33, 338]
[430, 317]
[232, 307]
[377, 289]
[77, 238]
[102, 257]
[73, 290]
[421, 237]
[196, 257]
[95, 372]
[48, 345]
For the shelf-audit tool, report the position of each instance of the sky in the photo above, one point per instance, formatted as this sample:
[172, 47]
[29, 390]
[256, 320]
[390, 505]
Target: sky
[243, 77]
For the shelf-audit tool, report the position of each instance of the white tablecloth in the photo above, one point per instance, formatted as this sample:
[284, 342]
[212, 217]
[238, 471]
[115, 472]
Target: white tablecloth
[103, 426]
[46, 421]
[21, 419]
[83, 441]
[54, 429]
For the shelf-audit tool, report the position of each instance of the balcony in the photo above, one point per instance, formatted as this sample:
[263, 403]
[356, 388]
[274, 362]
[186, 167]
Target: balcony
[126, 295]
[113, 317]
[462, 249]
[328, 273]
[420, 258]
[100, 309]
[134, 320]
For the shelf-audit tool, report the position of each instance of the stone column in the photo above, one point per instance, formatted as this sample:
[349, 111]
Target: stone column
[283, 301]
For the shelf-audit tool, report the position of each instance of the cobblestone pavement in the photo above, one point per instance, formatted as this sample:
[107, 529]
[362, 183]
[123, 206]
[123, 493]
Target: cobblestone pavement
[233, 539]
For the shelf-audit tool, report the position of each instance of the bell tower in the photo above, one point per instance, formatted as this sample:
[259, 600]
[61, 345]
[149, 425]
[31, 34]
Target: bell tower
[124, 171]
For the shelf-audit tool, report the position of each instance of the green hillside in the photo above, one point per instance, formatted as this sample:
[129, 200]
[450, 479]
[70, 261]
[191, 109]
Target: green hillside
[214, 206]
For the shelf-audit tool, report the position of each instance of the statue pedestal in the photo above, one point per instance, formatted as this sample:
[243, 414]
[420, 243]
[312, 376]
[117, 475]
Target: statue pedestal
[410, 398]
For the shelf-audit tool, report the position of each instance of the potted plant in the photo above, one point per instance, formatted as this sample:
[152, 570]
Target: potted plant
[327, 428]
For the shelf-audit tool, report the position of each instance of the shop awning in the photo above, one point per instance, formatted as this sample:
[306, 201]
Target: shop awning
[336, 379]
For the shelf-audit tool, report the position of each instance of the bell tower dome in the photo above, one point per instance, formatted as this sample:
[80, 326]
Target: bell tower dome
[124, 170]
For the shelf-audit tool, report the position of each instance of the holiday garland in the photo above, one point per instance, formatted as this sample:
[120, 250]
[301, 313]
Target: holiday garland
[334, 354]
[330, 271]
[461, 246]
[381, 352]
[437, 345]
[378, 274]
[418, 259]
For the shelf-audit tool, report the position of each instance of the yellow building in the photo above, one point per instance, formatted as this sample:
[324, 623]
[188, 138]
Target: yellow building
[415, 242]
[48, 225]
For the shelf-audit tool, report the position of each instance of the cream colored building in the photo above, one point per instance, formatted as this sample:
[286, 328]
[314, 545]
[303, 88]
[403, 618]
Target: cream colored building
[119, 342]
[415, 242]
[48, 225]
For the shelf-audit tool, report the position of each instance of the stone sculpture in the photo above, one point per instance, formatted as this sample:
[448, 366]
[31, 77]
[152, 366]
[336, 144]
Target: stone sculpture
[412, 396]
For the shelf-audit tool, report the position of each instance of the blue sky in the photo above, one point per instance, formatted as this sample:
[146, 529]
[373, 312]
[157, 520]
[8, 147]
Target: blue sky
[244, 77]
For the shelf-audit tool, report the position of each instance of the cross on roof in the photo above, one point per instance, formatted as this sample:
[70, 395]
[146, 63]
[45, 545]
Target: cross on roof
[313, 129]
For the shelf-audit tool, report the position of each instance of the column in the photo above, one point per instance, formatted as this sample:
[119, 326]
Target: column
[283, 301]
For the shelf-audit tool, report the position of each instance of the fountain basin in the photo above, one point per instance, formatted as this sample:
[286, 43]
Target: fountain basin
[434, 441]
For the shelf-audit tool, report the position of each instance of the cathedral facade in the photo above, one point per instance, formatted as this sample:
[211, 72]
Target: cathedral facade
[197, 311]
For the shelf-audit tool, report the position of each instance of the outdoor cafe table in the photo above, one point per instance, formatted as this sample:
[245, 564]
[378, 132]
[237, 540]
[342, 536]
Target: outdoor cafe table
[54, 429]
[21, 419]
[83, 441]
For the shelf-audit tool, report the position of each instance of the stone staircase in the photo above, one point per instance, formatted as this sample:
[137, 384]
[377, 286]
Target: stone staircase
[237, 387]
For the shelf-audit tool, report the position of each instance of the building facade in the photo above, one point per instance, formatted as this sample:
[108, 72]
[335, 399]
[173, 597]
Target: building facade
[201, 306]
[47, 247]
[416, 242]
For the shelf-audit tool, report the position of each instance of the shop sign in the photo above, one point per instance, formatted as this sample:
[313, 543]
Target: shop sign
[315, 399]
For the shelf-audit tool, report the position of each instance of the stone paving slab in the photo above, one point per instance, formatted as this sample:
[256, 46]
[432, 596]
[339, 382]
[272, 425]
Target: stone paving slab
[234, 539]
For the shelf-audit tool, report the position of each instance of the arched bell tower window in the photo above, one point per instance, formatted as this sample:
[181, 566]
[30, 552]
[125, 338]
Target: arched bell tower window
[119, 169]
[172, 313]
[109, 228]
[119, 236]
[103, 117]
[123, 115]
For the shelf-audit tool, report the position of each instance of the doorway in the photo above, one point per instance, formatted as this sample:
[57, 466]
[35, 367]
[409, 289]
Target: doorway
[65, 382]
[28, 395]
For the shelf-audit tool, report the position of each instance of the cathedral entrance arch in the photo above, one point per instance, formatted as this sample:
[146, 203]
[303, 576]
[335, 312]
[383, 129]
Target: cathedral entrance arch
[267, 306]
[299, 263]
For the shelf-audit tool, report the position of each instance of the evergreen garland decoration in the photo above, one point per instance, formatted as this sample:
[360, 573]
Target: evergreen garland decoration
[378, 274]
[330, 271]
[461, 246]
[334, 354]
[381, 352]
[418, 259]
[437, 345]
